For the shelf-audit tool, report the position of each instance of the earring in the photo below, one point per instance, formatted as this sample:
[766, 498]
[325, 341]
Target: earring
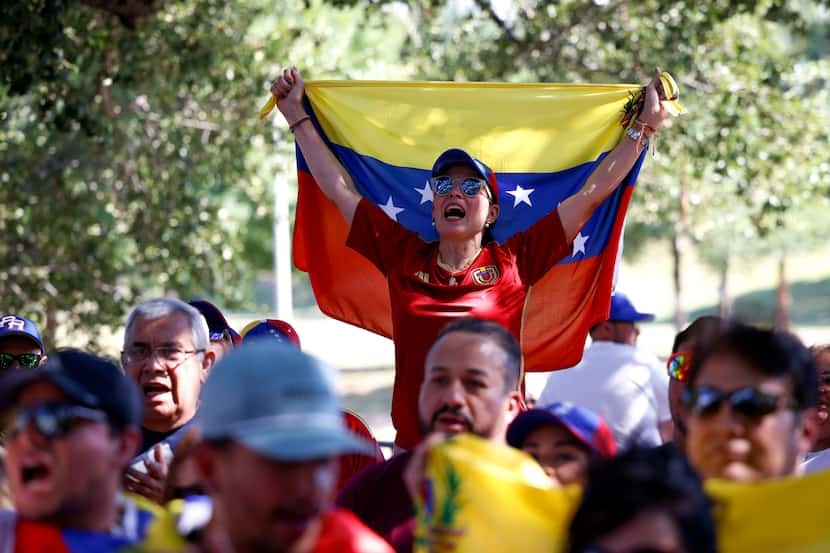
[486, 225]
[433, 222]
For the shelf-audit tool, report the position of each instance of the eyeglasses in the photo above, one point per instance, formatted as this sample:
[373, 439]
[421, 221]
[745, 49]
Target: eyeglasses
[168, 355]
[751, 403]
[53, 420]
[678, 365]
[470, 186]
[25, 360]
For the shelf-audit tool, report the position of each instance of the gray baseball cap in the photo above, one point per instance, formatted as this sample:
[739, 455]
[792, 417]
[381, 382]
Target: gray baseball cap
[278, 401]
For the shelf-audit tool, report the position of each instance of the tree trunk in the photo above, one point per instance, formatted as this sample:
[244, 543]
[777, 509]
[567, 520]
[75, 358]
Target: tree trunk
[723, 291]
[783, 297]
[677, 278]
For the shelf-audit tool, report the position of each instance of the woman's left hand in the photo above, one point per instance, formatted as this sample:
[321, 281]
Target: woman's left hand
[653, 113]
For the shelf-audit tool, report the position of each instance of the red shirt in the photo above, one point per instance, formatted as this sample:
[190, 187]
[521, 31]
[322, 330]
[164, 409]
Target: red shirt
[423, 299]
[343, 533]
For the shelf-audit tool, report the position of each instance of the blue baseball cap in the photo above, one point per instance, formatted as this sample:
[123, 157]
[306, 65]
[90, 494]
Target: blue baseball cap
[15, 325]
[583, 424]
[457, 156]
[278, 401]
[216, 321]
[623, 310]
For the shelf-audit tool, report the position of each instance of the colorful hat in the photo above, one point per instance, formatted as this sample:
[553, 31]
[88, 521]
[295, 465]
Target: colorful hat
[585, 425]
[273, 329]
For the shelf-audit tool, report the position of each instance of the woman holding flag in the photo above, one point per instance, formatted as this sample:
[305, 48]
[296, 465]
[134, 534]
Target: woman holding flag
[464, 273]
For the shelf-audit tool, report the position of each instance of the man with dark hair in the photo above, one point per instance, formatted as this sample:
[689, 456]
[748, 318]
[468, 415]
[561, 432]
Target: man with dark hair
[471, 377]
[643, 500]
[617, 380]
[751, 402]
[72, 429]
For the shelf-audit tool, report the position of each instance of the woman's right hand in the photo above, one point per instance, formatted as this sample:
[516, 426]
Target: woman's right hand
[289, 89]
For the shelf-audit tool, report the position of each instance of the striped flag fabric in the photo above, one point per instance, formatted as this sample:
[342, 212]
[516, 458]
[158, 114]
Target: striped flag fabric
[542, 141]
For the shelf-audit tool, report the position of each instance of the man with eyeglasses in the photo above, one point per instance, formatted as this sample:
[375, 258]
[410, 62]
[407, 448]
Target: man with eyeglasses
[71, 427]
[166, 353]
[20, 344]
[750, 405]
[619, 381]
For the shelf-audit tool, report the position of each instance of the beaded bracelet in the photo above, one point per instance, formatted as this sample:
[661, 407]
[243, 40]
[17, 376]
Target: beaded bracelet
[297, 123]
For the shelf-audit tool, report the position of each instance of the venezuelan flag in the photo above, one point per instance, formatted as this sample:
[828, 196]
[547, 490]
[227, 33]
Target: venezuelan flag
[542, 140]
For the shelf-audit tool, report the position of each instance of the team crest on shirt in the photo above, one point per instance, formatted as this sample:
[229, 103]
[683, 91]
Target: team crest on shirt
[485, 275]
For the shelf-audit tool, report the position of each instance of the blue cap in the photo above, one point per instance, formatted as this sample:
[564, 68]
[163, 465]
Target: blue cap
[278, 401]
[87, 379]
[15, 325]
[583, 424]
[622, 310]
[457, 156]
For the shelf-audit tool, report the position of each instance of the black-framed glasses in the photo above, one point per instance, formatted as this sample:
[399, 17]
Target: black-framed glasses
[25, 360]
[53, 420]
[470, 186]
[752, 403]
[169, 355]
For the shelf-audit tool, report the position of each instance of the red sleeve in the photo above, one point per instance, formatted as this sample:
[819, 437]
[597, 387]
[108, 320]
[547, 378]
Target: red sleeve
[342, 532]
[377, 237]
[540, 247]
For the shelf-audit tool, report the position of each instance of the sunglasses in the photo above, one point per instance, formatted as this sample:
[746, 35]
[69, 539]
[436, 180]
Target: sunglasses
[53, 420]
[25, 360]
[678, 365]
[751, 403]
[470, 186]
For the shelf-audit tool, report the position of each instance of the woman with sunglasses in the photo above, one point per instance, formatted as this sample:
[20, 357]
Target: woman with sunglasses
[465, 272]
[749, 402]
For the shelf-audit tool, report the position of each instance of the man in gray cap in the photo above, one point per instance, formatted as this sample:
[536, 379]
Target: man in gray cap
[272, 431]
[624, 384]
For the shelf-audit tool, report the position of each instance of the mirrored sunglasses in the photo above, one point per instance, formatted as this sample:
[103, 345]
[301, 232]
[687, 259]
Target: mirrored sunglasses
[751, 403]
[678, 365]
[53, 420]
[470, 186]
[25, 360]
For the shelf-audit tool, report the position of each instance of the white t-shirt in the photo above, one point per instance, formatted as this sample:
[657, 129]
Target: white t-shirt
[618, 382]
[816, 461]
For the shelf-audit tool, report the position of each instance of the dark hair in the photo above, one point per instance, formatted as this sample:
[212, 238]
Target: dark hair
[771, 352]
[502, 338]
[638, 480]
[701, 329]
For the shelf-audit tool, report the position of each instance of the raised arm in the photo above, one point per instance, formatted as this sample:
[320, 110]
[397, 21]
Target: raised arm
[577, 209]
[327, 170]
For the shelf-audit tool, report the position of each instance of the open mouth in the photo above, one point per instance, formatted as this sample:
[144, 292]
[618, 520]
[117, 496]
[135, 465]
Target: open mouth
[34, 473]
[454, 213]
[152, 389]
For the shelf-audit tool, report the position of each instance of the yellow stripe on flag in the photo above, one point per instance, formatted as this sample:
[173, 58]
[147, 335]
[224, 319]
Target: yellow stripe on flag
[511, 127]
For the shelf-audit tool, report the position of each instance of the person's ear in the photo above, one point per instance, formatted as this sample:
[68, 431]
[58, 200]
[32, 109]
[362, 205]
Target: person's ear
[809, 431]
[493, 213]
[129, 439]
[208, 360]
[43, 360]
[515, 405]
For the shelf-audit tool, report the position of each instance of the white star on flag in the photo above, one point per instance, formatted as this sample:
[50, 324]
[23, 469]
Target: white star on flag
[425, 192]
[520, 195]
[390, 209]
[579, 244]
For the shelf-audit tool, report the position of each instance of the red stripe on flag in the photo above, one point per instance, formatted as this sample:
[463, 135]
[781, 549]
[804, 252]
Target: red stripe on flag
[347, 287]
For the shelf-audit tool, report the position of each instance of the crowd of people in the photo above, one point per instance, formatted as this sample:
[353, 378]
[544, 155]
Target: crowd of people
[206, 439]
[240, 442]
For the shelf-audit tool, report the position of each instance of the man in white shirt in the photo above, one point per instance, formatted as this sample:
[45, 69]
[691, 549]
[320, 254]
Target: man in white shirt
[624, 384]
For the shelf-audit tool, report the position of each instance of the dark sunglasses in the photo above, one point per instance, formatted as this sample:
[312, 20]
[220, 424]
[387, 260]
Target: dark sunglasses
[678, 365]
[470, 186]
[25, 360]
[53, 420]
[752, 403]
